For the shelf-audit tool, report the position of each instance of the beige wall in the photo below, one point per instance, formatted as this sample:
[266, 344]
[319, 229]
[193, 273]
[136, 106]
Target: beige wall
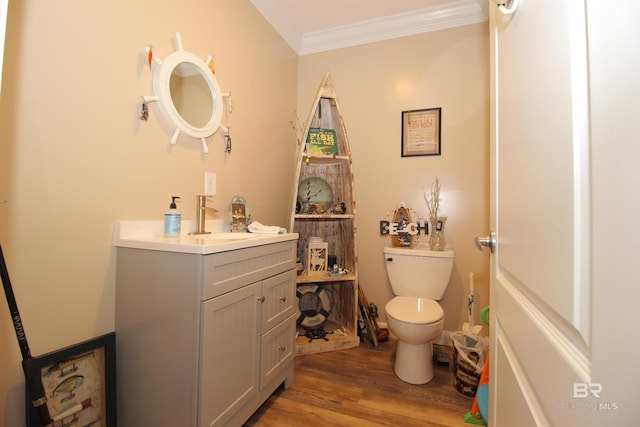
[374, 84]
[74, 158]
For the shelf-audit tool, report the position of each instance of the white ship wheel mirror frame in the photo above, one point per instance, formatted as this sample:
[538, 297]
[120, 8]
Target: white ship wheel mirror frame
[178, 65]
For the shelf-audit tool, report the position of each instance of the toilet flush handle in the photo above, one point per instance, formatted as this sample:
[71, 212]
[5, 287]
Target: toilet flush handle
[389, 259]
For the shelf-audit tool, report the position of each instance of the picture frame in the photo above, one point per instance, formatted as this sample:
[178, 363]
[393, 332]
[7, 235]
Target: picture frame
[421, 132]
[322, 142]
[239, 214]
[79, 383]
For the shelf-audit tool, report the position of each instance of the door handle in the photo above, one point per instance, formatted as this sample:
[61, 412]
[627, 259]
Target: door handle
[487, 242]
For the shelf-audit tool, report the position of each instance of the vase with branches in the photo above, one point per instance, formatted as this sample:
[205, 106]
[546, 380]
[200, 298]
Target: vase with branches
[436, 221]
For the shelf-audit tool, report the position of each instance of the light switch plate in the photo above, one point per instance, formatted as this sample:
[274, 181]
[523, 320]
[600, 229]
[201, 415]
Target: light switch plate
[210, 183]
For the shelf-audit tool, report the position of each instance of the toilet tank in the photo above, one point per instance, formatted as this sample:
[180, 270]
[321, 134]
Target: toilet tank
[418, 271]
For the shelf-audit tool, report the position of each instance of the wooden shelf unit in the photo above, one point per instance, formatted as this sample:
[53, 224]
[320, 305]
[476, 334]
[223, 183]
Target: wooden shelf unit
[338, 230]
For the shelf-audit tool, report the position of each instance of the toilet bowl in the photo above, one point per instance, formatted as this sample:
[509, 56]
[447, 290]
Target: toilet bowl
[417, 322]
[418, 278]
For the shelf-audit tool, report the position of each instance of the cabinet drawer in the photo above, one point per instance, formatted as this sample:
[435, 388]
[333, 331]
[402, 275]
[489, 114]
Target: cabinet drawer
[279, 294]
[226, 271]
[278, 346]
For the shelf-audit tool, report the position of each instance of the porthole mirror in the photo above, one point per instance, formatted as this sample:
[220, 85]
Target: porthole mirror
[188, 94]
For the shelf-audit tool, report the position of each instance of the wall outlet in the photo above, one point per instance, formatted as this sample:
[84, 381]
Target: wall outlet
[210, 183]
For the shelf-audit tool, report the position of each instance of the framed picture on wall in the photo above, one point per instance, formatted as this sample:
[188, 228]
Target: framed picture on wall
[421, 132]
[79, 382]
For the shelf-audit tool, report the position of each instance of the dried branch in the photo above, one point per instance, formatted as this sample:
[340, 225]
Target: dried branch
[433, 202]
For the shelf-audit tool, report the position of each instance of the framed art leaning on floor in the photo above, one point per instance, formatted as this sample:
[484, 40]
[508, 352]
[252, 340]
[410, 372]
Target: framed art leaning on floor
[79, 382]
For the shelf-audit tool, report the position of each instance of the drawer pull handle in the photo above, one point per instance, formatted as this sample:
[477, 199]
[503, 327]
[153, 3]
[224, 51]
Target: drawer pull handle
[282, 348]
[283, 299]
[261, 299]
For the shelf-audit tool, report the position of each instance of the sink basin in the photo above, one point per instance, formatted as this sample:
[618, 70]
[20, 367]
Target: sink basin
[232, 236]
[224, 237]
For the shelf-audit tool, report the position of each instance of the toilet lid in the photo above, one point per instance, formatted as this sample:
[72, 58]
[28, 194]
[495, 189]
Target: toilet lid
[414, 310]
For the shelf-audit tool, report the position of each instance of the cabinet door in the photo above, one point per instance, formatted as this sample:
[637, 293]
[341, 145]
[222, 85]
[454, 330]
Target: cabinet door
[277, 349]
[229, 364]
[279, 296]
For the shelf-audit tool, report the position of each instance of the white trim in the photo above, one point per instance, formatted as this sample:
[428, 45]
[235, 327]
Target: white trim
[455, 14]
[448, 15]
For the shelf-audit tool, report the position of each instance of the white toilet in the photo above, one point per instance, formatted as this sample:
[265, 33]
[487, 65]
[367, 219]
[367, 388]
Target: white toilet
[419, 278]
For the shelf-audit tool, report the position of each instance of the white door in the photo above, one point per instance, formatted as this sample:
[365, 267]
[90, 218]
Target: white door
[545, 367]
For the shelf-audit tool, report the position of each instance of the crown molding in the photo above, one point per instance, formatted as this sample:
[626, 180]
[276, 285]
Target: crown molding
[450, 15]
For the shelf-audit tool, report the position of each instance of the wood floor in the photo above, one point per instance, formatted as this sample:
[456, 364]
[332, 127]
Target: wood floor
[358, 387]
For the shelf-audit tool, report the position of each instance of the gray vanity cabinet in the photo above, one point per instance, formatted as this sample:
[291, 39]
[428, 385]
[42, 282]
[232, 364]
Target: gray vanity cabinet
[203, 340]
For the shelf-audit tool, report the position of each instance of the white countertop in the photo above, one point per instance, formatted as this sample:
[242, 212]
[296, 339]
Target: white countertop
[149, 235]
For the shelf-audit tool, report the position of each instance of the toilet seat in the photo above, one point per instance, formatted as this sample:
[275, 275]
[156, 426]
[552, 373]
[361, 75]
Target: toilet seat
[414, 310]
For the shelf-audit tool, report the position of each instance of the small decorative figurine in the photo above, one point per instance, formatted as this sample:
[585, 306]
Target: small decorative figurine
[150, 55]
[144, 114]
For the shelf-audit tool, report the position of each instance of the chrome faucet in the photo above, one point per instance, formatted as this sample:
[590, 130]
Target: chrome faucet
[201, 211]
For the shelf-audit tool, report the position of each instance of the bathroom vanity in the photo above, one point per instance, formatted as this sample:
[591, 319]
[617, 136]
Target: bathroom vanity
[205, 326]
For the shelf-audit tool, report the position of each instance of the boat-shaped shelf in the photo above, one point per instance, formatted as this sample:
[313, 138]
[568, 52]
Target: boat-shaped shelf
[335, 225]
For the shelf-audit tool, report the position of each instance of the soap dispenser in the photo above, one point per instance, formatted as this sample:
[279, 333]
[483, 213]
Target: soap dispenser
[172, 219]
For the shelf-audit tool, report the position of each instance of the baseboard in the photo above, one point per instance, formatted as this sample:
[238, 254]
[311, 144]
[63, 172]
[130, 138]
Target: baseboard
[444, 339]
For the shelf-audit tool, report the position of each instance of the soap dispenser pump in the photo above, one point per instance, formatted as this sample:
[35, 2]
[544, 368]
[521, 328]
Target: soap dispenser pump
[172, 219]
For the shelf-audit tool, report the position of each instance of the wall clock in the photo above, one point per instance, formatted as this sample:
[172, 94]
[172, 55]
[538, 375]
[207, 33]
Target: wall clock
[315, 196]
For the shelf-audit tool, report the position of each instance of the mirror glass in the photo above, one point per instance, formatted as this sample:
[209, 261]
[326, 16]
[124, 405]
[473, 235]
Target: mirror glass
[191, 95]
[188, 96]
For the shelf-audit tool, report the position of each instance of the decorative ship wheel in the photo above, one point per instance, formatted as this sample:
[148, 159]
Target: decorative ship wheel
[188, 95]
